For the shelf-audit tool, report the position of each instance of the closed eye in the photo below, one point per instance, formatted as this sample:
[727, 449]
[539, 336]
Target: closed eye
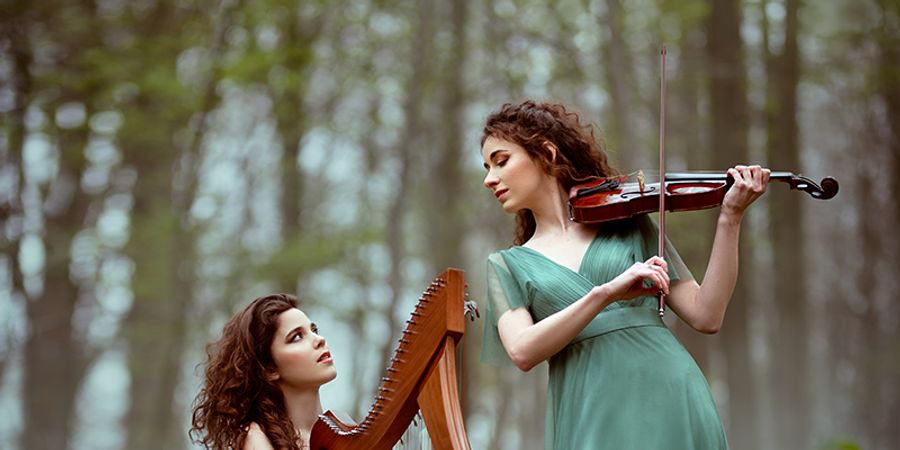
[499, 162]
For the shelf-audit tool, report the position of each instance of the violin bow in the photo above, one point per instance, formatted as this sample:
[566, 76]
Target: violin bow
[662, 168]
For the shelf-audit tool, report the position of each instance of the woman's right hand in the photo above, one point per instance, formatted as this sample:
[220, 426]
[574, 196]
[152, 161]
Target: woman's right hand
[630, 283]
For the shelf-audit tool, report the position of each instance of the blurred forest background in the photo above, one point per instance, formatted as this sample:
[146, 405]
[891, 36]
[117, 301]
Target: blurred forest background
[163, 162]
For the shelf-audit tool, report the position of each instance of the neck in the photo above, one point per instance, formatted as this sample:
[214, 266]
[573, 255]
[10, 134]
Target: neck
[551, 213]
[303, 407]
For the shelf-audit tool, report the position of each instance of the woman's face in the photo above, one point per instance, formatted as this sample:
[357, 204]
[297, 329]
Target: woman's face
[513, 177]
[302, 359]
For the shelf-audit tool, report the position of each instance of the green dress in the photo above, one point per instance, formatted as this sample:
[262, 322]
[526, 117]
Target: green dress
[624, 382]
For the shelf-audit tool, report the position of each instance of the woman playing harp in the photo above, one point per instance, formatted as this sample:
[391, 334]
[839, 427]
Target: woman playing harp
[262, 379]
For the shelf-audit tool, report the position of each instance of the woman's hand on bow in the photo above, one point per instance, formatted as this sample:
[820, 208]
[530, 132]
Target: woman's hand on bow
[630, 283]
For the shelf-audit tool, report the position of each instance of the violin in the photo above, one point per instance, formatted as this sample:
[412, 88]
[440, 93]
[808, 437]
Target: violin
[619, 197]
[614, 198]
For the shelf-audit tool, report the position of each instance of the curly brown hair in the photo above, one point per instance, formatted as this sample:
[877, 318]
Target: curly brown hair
[236, 389]
[532, 125]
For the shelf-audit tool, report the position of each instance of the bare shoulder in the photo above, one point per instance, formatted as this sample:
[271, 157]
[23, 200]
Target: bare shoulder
[256, 439]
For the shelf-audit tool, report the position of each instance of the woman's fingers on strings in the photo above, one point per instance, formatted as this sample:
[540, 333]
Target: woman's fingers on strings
[749, 183]
[760, 179]
[754, 177]
[734, 174]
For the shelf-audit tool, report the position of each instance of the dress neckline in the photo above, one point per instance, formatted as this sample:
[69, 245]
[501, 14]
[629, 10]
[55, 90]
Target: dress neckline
[581, 262]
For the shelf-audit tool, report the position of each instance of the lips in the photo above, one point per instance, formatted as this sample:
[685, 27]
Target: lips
[499, 192]
[325, 358]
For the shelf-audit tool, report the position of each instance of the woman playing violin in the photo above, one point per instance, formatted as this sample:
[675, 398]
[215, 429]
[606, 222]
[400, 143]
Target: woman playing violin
[583, 296]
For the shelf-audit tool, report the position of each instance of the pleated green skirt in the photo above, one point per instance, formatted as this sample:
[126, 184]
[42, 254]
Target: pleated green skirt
[631, 386]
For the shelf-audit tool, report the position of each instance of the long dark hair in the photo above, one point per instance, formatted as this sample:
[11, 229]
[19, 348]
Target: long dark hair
[236, 388]
[534, 124]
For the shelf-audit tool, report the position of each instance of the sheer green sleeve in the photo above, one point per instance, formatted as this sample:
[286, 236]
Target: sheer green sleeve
[650, 237]
[503, 294]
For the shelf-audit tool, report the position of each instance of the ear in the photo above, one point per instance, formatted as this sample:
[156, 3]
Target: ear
[551, 147]
[272, 375]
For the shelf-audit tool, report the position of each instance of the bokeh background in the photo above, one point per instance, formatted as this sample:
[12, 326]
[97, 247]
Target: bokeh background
[163, 162]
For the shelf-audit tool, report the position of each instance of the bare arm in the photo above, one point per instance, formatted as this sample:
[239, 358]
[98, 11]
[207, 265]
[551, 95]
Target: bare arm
[529, 343]
[703, 306]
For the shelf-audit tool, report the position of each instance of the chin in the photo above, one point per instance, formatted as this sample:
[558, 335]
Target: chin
[509, 207]
[331, 375]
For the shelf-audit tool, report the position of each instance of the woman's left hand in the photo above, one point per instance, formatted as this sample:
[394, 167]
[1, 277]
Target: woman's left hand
[749, 183]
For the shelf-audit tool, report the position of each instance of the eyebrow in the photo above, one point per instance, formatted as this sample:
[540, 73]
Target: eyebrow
[292, 331]
[312, 326]
[491, 156]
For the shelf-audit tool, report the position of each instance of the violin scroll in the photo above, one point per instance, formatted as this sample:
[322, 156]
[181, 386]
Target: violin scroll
[825, 190]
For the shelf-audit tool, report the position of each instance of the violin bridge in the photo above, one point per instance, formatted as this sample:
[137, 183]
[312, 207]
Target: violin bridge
[640, 180]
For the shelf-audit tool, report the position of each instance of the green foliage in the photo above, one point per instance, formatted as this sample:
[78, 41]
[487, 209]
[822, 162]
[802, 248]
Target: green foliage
[841, 443]
[310, 251]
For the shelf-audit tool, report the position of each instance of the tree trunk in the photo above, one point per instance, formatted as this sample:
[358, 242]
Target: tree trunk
[791, 361]
[55, 354]
[447, 183]
[885, 433]
[421, 41]
[728, 145]
[14, 32]
[686, 134]
[889, 80]
[619, 72]
[55, 359]
[289, 97]
[863, 333]
[300, 28]
[162, 246]
[54, 364]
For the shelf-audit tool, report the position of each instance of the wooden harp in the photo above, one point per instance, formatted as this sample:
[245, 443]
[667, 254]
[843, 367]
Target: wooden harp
[421, 376]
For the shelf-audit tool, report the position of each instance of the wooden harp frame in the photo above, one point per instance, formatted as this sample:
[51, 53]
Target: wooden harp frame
[421, 376]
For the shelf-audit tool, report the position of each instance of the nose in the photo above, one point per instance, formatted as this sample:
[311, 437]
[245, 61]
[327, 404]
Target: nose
[491, 180]
[320, 341]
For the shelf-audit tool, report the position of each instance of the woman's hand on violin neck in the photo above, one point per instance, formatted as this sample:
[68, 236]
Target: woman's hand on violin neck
[630, 283]
[750, 183]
